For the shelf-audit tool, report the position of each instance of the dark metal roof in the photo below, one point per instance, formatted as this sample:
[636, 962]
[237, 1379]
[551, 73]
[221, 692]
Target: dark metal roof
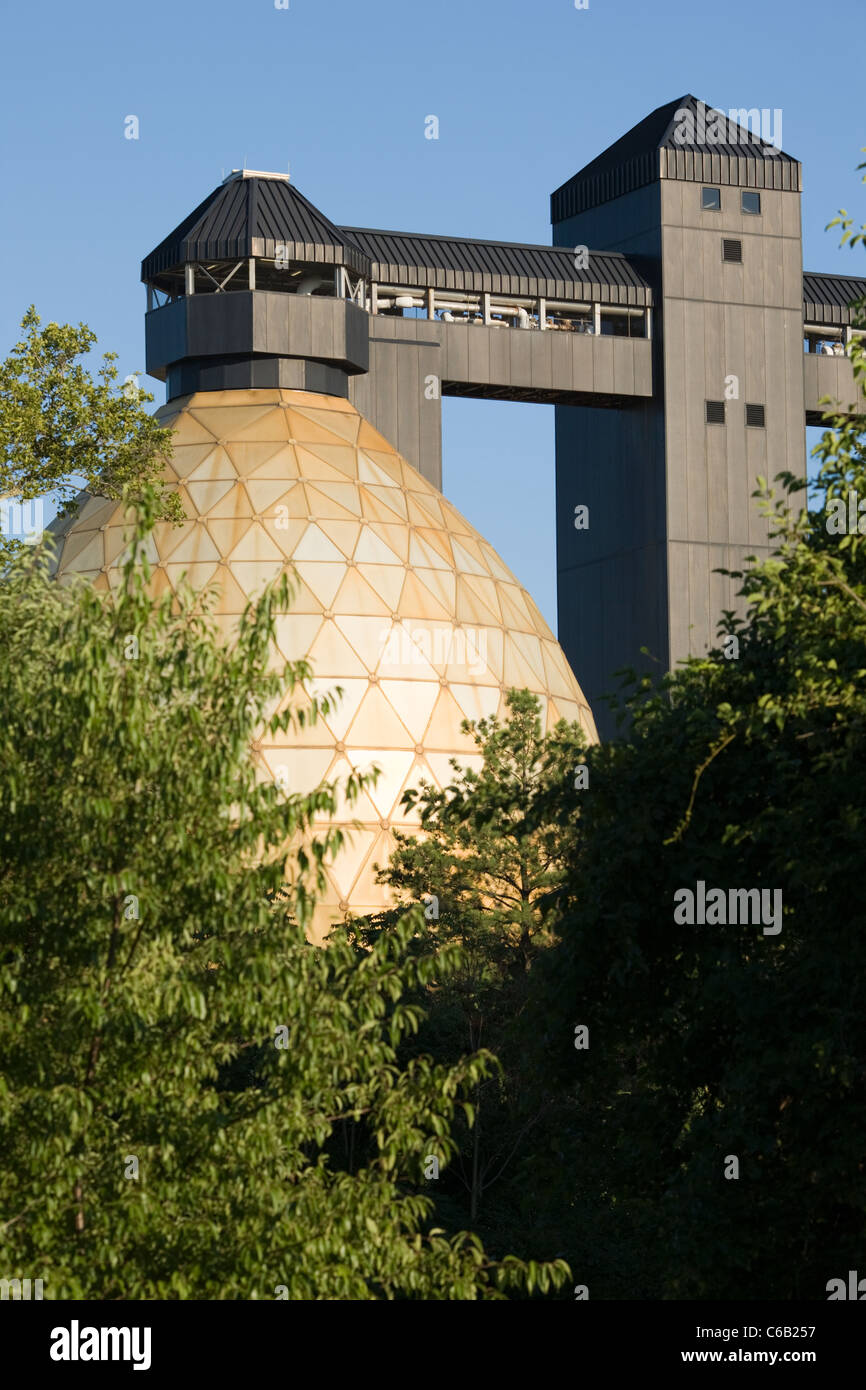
[828, 298]
[652, 150]
[249, 215]
[499, 267]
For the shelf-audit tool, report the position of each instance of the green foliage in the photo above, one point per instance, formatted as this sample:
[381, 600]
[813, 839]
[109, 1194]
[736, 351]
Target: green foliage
[151, 952]
[708, 1041]
[58, 424]
[487, 869]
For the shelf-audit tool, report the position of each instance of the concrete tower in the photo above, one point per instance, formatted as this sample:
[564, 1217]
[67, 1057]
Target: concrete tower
[710, 214]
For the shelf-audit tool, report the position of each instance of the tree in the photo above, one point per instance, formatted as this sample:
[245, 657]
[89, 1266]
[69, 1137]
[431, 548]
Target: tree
[739, 1039]
[177, 1058]
[58, 425]
[486, 870]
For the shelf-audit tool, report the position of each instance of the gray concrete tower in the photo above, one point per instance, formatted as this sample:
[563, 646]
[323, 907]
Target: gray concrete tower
[710, 214]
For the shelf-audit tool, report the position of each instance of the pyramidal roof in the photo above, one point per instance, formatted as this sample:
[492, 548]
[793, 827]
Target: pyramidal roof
[250, 214]
[679, 140]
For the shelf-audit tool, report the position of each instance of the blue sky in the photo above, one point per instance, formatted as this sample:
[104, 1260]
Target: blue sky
[526, 93]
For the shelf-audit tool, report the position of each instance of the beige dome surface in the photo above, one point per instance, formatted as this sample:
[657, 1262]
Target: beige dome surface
[399, 600]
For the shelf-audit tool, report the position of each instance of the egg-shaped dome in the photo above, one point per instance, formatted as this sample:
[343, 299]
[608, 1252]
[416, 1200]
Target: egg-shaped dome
[398, 600]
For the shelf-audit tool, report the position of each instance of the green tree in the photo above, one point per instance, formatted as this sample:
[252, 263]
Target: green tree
[59, 425]
[486, 870]
[177, 1059]
[720, 1041]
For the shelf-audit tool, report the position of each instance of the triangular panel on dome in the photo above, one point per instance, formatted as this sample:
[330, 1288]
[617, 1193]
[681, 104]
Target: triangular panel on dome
[393, 765]
[263, 459]
[305, 430]
[356, 596]
[315, 545]
[556, 681]
[268, 427]
[495, 565]
[342, 457]
[227, 532]
[344, 707]
[215, 464]
[390, 497]
[341, 422]
[198, 575]
[464, 557]
[518, 672]
[323, 580]
[371, 547]
[344, 534]
[315, 468]
[429, 551]
[360, 808]
[386, 581]
[332, 655]
[88, 543]
[515, 614]
[338, 500]
[470, 607]
[253, 575]
[265, 493]
[296, 633]
[370, 438]
[376, 725]
[443, 730]
[205, 496]
[395, 536]
[417, 601]
[226, 421]
[372, 472]
[430, 509]
[413, 700]
[388, 460]
[297, 770]
[232, 598]
[442, 585]
[476, 701]
[484, 590]
[369, 637]
[303, 599]
[186, 429]
[255, 546]
[375, 511]
[194, 547]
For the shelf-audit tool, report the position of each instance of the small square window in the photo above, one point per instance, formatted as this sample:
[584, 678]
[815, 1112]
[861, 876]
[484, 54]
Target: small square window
[715, 412]
[732, 251]
[750, 202]
[711, 199]
[755, 416]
